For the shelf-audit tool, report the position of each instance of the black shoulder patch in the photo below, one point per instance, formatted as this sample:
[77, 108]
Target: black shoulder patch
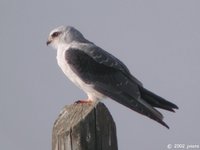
[86, 67]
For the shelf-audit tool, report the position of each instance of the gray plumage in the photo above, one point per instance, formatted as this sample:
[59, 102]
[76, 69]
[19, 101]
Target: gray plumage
[97, 71]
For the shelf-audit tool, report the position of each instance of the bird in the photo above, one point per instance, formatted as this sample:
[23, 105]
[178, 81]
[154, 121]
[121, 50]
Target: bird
[101, 75]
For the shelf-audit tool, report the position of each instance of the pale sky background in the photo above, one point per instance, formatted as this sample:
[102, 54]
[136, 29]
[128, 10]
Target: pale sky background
[158, 40]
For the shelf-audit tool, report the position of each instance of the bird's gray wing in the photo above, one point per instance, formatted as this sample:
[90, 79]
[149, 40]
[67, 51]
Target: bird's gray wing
[111, 82]
[103, 57]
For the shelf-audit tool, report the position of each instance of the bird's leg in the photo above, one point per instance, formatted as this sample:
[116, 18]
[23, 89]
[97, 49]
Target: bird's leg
[88, 101]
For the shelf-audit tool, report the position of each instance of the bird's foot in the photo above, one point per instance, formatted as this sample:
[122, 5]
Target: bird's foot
[84, 102]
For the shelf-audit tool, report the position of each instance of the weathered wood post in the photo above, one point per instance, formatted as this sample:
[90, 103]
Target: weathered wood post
[84, 127]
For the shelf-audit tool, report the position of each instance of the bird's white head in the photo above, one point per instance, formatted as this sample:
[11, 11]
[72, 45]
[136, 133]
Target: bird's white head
[64, 35]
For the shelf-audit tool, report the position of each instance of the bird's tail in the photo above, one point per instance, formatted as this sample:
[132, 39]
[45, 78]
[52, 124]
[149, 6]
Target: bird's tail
[143, 104]
[157, 101]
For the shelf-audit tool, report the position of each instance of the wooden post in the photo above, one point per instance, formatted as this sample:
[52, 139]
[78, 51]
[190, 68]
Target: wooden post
[84, 127]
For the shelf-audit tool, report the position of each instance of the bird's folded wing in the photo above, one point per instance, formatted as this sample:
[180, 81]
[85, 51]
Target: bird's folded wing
[110, 81]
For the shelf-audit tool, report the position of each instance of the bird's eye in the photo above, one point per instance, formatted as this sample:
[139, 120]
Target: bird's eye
[55, 34]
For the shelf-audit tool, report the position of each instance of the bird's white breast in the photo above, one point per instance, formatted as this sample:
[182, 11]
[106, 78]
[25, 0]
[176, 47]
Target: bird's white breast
[87, 88]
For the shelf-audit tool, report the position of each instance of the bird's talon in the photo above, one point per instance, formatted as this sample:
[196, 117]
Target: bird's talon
[83, 102]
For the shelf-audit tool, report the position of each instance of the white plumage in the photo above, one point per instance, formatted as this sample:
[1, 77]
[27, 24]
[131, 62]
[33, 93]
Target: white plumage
[92, 94]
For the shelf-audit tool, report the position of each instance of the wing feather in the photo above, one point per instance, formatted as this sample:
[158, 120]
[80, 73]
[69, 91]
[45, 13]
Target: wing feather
[111, 81]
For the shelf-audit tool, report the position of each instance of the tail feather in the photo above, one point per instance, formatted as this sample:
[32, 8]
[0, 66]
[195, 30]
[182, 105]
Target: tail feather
[137, 104]
[157, 101]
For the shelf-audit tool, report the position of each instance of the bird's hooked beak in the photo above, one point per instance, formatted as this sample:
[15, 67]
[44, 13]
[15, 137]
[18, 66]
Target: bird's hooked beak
[49, 40]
